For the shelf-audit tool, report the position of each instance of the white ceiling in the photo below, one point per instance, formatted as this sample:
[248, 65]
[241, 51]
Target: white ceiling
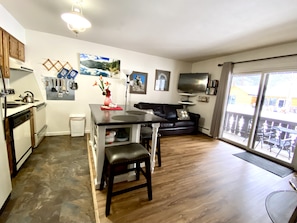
[188, 30]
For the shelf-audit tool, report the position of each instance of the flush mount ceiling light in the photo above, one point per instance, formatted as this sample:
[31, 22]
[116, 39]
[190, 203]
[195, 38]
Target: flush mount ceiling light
[75, 20]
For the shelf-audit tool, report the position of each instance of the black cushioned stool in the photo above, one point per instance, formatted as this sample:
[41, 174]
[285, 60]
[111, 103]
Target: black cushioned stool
[146, 137]
[121, 156]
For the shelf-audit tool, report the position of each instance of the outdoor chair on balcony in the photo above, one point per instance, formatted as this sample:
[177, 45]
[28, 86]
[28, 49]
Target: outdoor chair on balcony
[263, 133]
[277, 140]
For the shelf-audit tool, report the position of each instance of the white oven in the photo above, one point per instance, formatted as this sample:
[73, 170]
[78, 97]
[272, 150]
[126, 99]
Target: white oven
[39, 116]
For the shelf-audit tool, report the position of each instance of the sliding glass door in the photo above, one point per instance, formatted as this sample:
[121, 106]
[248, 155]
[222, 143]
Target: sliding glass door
[241, 108]
[261, 113]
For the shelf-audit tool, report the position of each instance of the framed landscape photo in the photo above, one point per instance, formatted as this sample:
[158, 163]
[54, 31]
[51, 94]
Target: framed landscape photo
[162, 80]
[99, 66]
[138, 82]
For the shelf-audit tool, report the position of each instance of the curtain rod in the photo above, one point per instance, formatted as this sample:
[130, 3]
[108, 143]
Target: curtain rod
[268, 58]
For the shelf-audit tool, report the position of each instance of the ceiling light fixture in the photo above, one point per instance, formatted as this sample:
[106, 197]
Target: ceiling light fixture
[75, 20]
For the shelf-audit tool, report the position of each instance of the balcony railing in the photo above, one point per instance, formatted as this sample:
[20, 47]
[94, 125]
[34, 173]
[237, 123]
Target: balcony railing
[237, 127]
[238, 123]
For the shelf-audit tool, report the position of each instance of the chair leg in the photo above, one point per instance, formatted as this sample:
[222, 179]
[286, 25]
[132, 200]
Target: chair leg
[148, 178]
[278, 152]
[109, 190]
[159, 152]
[137, 170]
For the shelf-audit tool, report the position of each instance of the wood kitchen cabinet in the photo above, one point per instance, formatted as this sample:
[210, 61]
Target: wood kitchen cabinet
[21, 51]
[8, 145]
[4, 53]
[9, 47]
[16, 49]
[1, 48]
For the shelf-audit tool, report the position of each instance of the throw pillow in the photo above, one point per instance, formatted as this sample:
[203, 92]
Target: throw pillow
[182, 114]
[170, 112]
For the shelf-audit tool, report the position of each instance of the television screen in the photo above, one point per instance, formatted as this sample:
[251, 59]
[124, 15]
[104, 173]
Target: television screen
[192, 82]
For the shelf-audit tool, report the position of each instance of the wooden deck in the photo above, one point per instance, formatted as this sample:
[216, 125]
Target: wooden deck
[199, 181]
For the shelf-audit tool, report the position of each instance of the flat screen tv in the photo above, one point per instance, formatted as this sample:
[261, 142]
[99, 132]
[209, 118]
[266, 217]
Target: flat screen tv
[192, 82]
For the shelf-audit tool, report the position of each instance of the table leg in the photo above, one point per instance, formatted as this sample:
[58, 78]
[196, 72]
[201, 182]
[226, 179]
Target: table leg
[100, 153]
[154, 144]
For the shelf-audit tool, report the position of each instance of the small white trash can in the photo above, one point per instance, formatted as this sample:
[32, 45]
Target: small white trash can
[77, 124]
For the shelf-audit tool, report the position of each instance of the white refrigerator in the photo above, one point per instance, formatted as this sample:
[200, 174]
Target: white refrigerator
[5, 180]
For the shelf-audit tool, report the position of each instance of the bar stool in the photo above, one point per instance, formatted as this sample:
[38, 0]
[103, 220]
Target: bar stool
[146, 137]
[121, 156]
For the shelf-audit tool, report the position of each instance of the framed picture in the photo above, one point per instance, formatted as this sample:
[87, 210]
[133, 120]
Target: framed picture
[138, 82]
[162, 80]
[97, 65]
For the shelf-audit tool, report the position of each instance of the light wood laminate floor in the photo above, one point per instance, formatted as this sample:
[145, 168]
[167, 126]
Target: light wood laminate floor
[199, 181]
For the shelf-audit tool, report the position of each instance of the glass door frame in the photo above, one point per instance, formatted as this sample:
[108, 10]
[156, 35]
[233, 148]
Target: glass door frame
[264, 76]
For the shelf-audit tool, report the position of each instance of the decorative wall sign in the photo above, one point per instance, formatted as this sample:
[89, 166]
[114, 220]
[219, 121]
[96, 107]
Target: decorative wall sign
[139, 82]
[162, 80]
[97, 65]
[49, 64]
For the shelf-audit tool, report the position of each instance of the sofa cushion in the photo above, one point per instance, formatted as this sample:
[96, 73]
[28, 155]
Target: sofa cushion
[166, 124]
[158, 110]
[156, 107]
[184, 123]
[182, 114]
[170, 112]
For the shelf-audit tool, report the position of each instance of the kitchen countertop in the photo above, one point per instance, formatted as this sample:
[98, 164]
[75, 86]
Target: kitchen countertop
[12, 111]
[130, 116]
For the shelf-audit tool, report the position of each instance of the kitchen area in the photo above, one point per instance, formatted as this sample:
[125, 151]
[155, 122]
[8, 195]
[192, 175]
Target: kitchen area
[23, 112]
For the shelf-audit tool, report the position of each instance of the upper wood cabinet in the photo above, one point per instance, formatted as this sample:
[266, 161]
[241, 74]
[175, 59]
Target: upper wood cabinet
[21, 51]
[9, 47]
[5, 54]
[1, 49]
[16, 49]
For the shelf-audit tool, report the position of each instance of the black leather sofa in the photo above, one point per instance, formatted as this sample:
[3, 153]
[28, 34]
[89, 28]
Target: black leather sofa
[176, 124]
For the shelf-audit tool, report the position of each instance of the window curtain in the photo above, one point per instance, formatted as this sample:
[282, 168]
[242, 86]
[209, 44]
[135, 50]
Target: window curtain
[219, 108]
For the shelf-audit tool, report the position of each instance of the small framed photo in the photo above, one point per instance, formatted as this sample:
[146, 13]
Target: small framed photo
[162, 80]
[138, 82]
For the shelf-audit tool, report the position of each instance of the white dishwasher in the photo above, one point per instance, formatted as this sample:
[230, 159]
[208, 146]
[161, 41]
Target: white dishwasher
[21, 138]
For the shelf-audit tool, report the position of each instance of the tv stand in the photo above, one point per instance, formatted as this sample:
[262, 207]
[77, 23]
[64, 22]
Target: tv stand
[185, 99]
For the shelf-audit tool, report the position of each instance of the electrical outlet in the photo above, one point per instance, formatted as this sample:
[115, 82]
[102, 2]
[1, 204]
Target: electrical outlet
[8, 91]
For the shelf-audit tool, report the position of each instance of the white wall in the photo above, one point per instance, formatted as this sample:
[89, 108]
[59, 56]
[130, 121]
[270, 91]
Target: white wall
[43, 46]
[11, 25]
[211, 66]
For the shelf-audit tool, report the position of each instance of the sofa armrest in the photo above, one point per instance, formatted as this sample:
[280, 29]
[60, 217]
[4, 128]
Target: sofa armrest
[195, 118]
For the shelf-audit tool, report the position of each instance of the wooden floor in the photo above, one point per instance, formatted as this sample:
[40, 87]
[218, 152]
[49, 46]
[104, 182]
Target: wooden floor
[199, 181]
